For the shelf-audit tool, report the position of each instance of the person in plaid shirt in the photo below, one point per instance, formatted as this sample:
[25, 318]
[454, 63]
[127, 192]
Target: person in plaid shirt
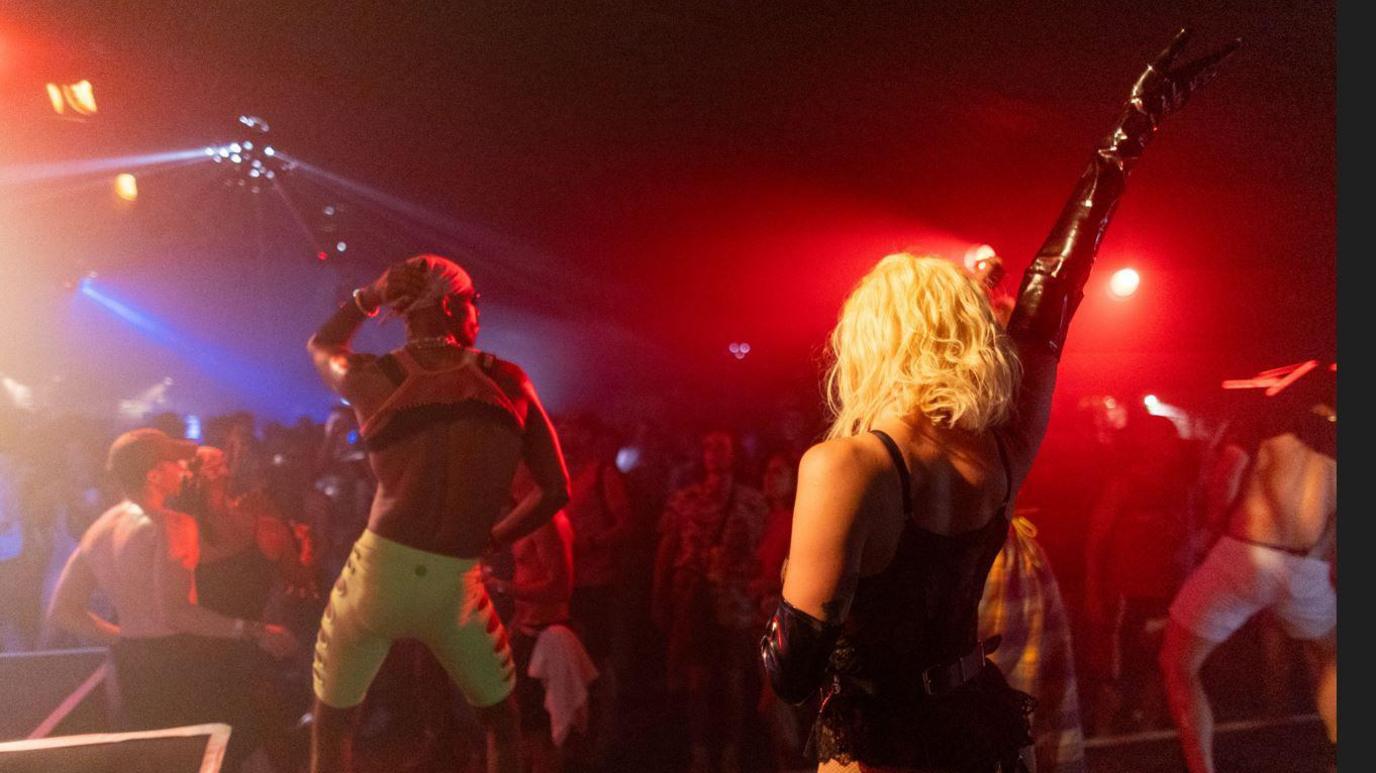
[1022, 603]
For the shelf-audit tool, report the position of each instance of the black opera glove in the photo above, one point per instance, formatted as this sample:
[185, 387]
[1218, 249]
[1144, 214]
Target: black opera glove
[795, 650]
[1053, 285]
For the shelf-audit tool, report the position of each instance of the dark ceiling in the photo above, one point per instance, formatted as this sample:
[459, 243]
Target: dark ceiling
[688, 175]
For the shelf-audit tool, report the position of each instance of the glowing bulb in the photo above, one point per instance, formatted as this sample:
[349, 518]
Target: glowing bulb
[268, 151]
[1124, 283]
[1150, 400]
[341, 246]
[627, 459]
[126, 187]
[55, 96]
[235, 147]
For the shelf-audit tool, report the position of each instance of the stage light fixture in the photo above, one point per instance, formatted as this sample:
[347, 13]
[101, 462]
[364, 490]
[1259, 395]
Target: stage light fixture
[143, 403]
[78, 98]
[126, 187]
[79, 281]
[20, 395]
[251, 164]
[627, 459]
[1124, 283]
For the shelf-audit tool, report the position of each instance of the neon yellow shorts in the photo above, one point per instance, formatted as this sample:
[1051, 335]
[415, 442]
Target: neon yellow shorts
[390, 591]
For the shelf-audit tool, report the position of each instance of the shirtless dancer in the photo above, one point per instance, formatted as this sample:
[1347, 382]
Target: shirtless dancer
[445, 426]
[1276, 553]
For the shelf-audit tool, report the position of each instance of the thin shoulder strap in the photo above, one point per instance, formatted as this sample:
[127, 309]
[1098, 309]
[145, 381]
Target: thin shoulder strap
[1007, 473]
[898, 464]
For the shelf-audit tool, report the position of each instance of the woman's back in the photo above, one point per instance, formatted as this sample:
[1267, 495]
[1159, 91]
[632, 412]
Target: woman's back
[935, 523]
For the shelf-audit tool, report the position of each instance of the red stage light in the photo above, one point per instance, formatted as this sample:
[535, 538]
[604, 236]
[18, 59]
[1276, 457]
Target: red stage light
[321, 255]
[1124, 282]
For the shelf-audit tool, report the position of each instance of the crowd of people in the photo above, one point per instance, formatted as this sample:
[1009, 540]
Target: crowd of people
[655, 576]
[665, 587]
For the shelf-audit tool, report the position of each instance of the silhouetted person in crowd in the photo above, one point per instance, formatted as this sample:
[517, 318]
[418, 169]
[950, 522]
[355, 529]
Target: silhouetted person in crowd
[709, 534]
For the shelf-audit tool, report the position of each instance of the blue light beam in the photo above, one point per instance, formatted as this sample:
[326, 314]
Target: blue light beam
[246, 376]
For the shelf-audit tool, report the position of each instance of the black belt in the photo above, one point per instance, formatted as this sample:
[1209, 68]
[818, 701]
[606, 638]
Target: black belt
[945, 677]
[935, 681]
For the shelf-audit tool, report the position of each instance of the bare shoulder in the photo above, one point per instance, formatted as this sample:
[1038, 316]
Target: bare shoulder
[115, 518]
[841, 459]
[835, 478]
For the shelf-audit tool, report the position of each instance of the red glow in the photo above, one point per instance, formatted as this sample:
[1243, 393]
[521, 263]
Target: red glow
[1124, 282]
[321, 255]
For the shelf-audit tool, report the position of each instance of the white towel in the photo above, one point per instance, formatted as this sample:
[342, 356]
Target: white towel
[561, 663]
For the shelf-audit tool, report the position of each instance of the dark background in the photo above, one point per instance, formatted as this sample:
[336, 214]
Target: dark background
[635, 186]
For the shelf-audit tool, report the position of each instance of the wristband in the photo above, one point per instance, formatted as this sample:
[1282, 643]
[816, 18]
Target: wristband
[358, 301]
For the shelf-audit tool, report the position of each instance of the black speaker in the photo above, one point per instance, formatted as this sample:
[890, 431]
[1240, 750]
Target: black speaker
[63, 691]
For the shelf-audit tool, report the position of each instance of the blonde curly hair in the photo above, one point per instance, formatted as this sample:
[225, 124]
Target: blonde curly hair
[918, 335]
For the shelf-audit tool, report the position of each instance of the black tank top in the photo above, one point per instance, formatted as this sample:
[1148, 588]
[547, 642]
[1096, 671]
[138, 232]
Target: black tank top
[919, 611]
[923, 608]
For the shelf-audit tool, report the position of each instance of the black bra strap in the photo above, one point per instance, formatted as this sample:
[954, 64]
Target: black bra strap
[1007, 473]
[901, 466]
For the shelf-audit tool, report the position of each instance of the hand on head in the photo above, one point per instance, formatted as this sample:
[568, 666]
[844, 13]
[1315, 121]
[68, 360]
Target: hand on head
[398, 286]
